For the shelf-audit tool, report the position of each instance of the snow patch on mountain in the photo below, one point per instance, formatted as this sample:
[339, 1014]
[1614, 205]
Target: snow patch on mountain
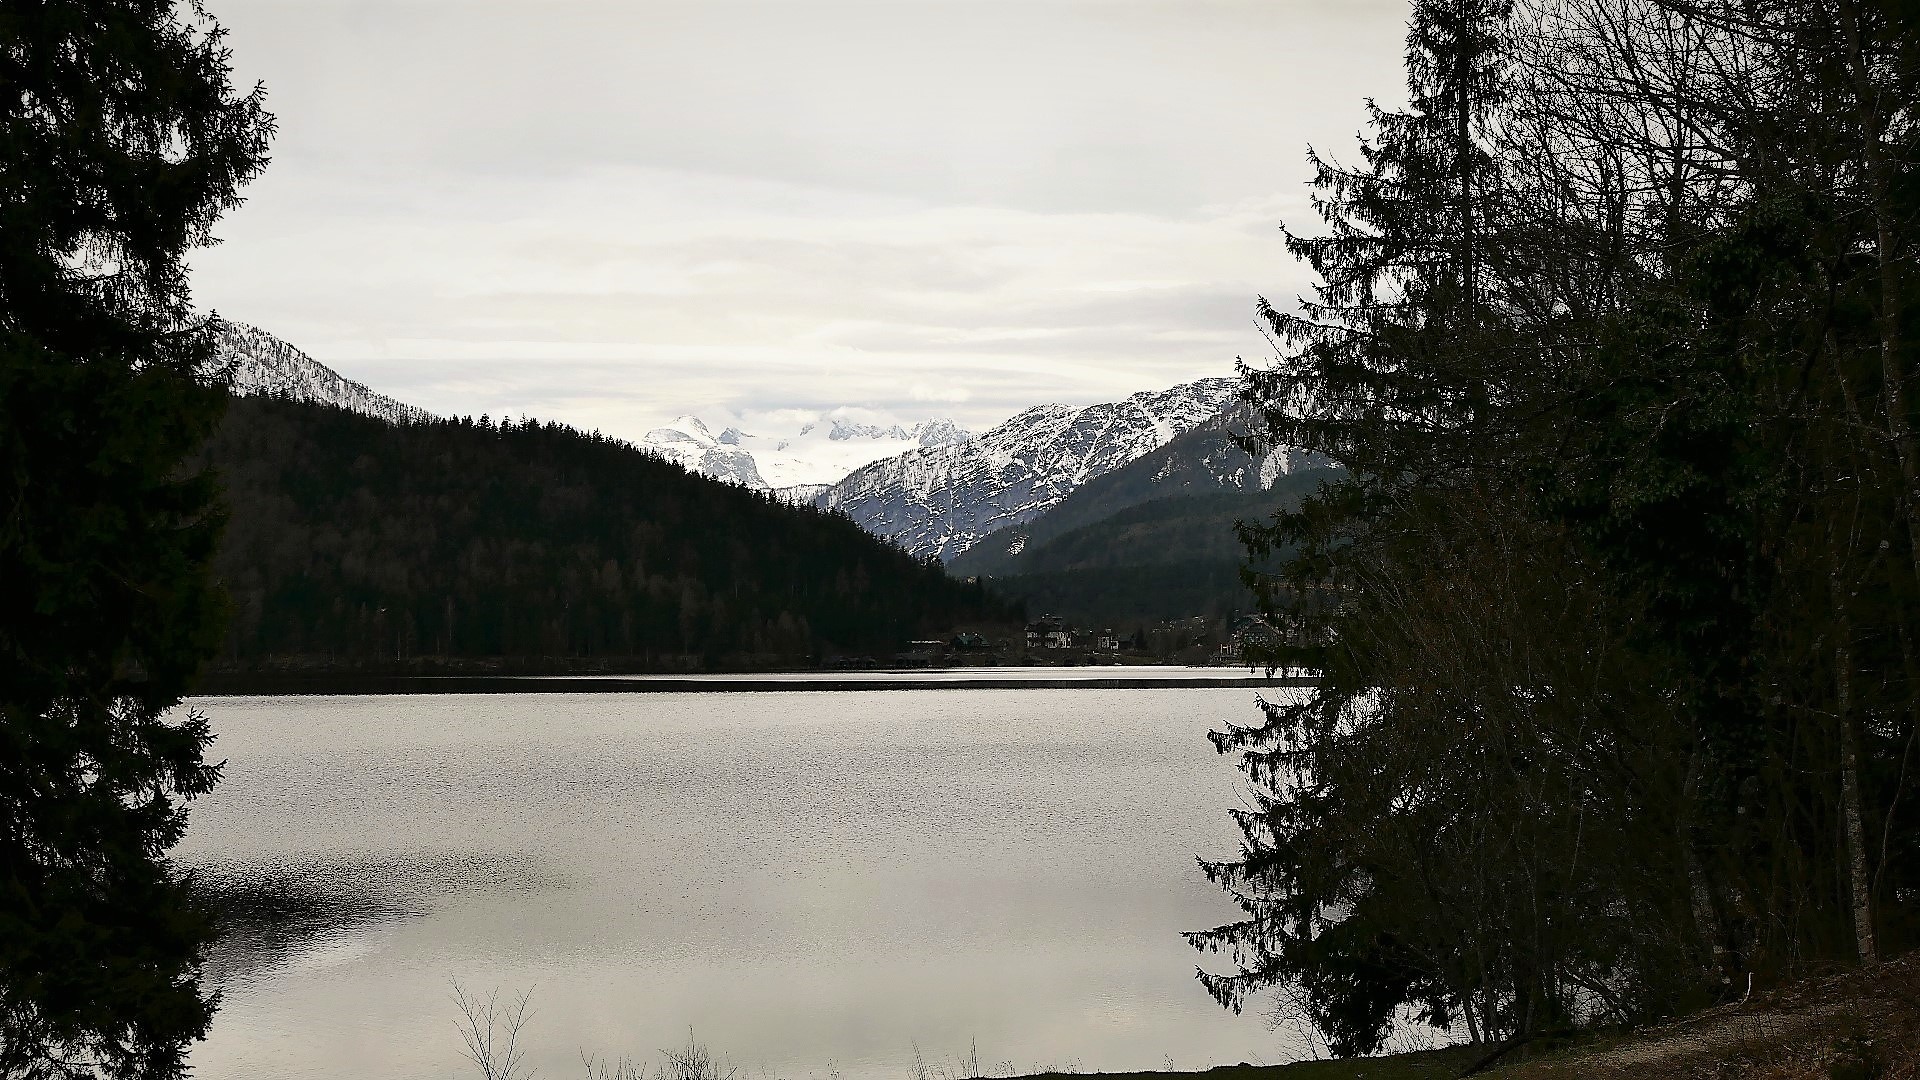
[1281, 460]
[255, 363]
[940, 500]
[800, 494]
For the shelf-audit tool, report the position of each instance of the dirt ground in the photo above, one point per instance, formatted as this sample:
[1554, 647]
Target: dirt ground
[1861, 1025]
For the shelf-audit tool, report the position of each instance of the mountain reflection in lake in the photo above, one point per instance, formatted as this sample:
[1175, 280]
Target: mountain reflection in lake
[810, 881]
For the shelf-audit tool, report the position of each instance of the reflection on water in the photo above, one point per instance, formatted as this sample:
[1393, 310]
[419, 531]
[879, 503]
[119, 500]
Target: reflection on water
[813, 884]
[268, 921]
[284, 914]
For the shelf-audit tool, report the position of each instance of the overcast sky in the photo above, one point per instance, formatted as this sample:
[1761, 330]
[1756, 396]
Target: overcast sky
[610, 212]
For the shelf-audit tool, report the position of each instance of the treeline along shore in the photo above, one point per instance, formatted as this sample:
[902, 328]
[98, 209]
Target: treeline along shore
[251, 683]
[358, 545]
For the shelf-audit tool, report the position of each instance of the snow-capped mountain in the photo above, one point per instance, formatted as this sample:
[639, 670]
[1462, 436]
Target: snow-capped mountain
[940, 500]
[687, 442]
[1185, 479]
[797, 459]
[255, 362]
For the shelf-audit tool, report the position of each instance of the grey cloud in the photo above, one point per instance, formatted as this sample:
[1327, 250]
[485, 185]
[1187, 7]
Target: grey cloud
[610, 211]
[1048, 106]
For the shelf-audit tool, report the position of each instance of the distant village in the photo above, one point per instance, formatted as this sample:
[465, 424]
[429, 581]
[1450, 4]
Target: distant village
[1051, 640]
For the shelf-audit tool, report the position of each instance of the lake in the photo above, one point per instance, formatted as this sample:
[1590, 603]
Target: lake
[814, 883]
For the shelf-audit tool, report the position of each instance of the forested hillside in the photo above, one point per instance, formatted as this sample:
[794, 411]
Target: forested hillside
[358, 543]
[1172, 558]
[1135, 598]
[1616, 333]
[1186, 528]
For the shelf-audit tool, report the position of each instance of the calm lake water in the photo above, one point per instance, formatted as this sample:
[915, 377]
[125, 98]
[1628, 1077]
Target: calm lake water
[812, 882]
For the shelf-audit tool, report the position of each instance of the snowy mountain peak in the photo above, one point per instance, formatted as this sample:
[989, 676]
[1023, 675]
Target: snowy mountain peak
[849, 429]
[689, 444]
[942, 498]
[691, 427]
[941, 432]
[796, 459]
[255, 363]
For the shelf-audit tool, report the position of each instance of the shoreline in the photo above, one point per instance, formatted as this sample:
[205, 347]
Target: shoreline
[277, 685]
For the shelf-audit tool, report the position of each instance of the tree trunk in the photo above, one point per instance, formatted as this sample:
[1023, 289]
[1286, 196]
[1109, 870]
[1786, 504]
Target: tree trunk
[1892, 375]
[1706, 921]
[1857, 876]
[1856, 839]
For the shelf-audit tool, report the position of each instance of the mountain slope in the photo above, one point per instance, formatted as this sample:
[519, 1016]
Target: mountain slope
[258, 364]
[1176, 529]
[942, 500]
[1202, 461]
[1154, 540]
[364, 545]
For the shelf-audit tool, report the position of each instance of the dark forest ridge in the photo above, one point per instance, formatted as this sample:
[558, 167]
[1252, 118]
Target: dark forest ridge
[358, 544]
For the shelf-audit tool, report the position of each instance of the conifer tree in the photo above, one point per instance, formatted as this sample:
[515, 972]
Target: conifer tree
[1616, 609]
[1385, 371]
[121, 142]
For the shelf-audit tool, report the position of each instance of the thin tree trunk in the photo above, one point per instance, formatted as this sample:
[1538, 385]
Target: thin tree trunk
[1913, 730]
[1892, 376]
[1857, 842]
[1857, 875]
[1706, 920]
[1463, 149]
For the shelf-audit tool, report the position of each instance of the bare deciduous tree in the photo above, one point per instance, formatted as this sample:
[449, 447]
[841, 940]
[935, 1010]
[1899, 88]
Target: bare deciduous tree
[490, 1031]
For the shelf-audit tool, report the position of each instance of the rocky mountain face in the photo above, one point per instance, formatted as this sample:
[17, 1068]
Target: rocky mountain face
[941, 500]
[795, 463]
[255, 363]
